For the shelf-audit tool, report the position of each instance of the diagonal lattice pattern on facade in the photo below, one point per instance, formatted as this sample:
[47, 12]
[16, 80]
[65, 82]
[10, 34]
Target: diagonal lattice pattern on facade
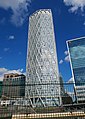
[42, 67]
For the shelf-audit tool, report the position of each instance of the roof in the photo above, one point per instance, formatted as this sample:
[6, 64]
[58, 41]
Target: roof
[37, 11]
[75, 39]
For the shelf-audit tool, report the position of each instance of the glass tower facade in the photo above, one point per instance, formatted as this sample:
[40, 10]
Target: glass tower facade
[77, 54]
[42, 67]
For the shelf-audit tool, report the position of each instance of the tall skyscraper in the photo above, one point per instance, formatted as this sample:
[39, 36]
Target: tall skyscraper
[42, 82]
[76, 49]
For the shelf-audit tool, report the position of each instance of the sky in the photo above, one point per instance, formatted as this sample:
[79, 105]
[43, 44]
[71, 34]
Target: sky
[69, 23]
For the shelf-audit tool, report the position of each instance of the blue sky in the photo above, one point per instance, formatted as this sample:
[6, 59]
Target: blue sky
[69, 23]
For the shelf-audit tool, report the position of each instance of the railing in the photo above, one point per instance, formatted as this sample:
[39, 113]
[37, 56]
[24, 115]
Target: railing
[15, 104]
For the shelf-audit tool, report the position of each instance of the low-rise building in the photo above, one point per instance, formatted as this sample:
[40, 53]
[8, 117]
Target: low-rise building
[13, 86]
[1, 83]
[65, 97]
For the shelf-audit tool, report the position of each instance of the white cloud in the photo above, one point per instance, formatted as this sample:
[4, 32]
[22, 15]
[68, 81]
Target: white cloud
[70, 80]
[6, 71]
[84, 23]
[2, 70]
[19, 9]
[61, 61]
[11, 37]
[24, 73]
[75, 4]
[6, 49]
[66, 52]
[67, 59]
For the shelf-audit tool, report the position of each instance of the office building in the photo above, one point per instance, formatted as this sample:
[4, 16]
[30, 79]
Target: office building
[65, 97]
[43, 86]
[13, 86]
[1, 85]
[76, 49]
[62, 90]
